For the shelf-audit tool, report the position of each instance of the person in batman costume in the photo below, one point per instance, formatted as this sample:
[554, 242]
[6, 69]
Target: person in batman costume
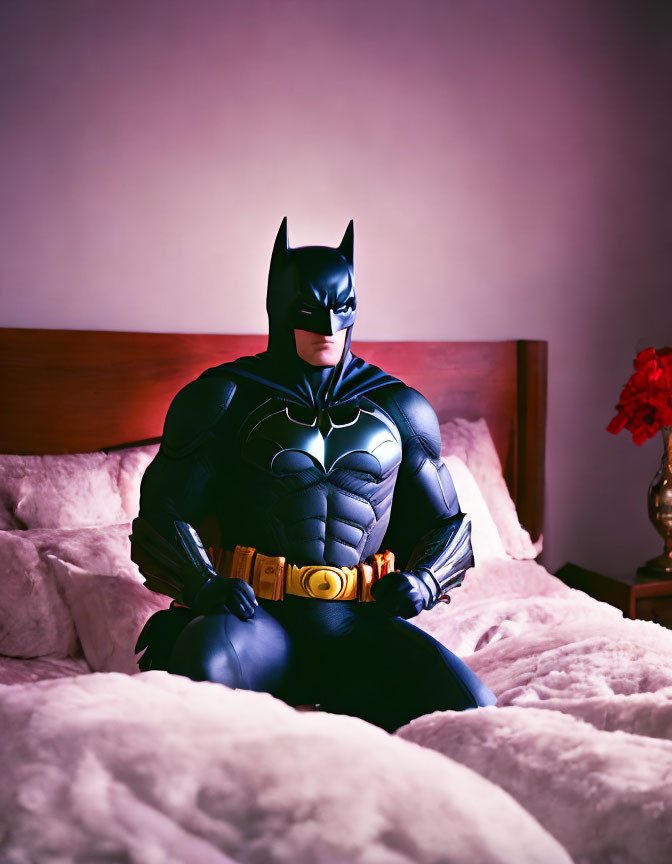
[314, 468]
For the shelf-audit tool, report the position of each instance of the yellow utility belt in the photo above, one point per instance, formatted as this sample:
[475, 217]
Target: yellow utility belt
[273, 577]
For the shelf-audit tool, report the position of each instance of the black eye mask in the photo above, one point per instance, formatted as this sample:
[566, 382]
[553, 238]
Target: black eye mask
[310, 288]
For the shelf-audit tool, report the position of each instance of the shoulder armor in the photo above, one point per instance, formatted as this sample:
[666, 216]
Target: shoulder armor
[413, 414]
[194, 413]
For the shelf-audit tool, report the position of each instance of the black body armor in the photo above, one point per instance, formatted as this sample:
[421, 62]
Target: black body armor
[322, 465]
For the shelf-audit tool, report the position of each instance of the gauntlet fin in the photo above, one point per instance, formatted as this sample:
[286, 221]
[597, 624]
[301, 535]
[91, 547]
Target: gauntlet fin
[179, 569]
[442, 555]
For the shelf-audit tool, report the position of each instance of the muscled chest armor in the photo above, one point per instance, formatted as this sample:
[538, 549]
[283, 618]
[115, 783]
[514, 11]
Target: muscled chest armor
[323, 479]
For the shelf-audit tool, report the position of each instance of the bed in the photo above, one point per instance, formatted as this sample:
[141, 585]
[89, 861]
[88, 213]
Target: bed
[102, 763]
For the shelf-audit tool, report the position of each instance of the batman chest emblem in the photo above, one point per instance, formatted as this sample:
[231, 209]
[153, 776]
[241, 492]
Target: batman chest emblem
[293, 438]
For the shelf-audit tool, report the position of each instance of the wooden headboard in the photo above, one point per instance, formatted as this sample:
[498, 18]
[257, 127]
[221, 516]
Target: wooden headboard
[68, 391]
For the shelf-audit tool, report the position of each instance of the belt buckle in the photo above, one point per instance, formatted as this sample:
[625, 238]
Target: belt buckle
[325, 582]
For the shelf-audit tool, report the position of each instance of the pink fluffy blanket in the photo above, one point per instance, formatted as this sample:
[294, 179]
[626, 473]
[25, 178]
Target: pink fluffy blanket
[574, 764]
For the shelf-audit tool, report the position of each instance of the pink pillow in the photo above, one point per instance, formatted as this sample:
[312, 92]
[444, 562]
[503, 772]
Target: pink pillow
[485, 540]
[109, 611]
[471, 442]
[72, 491]
[35, 620]
[41, 610]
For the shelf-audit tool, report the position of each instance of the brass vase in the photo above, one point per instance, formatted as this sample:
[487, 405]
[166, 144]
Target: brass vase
[660, 509]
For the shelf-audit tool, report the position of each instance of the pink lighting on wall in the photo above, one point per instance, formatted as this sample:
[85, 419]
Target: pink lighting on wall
[506, 166]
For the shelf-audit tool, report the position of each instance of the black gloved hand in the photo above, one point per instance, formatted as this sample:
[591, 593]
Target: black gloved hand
[404, 594]
[214, 594]
[221, 594]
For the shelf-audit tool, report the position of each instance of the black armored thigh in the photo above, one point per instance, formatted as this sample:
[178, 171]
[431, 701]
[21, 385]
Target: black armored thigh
[346, 657]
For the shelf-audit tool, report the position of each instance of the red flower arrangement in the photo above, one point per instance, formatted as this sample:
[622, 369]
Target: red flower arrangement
[645, 405]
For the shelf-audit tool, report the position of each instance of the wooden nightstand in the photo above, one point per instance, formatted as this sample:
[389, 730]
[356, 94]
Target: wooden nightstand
[637, 597]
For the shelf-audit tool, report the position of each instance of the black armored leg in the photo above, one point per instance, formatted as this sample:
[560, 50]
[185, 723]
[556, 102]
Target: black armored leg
[388, 672]
[254, 654]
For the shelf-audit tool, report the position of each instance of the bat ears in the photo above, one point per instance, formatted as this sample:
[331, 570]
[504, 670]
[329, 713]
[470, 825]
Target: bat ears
[281, 246]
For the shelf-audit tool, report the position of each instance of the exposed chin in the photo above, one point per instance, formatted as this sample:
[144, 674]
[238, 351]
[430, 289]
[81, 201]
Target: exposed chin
[325, 357]
[317, 350]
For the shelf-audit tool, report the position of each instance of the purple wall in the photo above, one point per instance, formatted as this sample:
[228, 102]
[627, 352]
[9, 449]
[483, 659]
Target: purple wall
[507, 166]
